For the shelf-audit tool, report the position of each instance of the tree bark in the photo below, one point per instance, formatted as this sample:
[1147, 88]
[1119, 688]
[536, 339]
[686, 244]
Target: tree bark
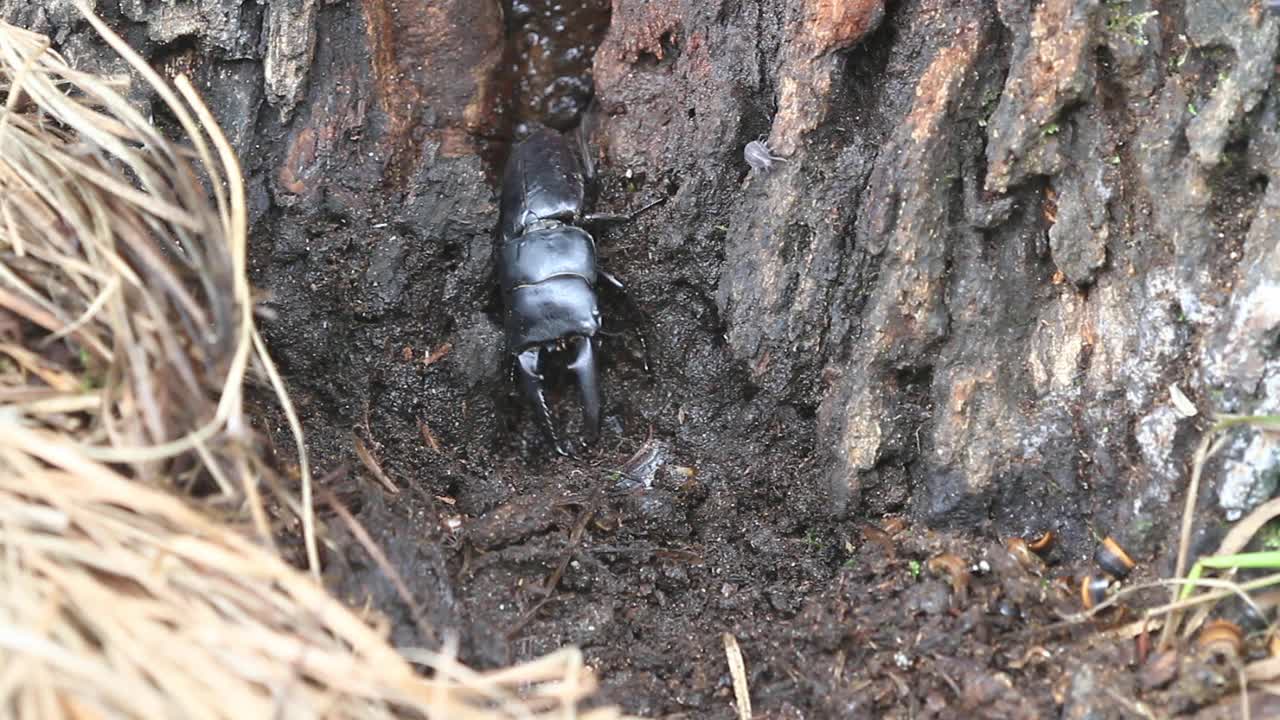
[1002, 233]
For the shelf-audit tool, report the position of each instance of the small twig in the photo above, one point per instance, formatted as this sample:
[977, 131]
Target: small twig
[1245, 711]
[427, 436]
[1239, 536]
[553, 581]
[1206, 449]
[1137, 708]
[1071, 619]
[1130, 630]
[367, 458]
[379, 557]
[1236, 588]
[575, 540]
[48, 321]
[304, 466]
[1263, 670]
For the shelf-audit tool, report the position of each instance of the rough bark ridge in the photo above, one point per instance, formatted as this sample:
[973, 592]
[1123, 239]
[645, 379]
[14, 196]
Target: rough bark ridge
[1001, 232]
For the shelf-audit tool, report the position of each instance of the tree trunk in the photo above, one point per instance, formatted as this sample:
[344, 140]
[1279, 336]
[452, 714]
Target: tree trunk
[1000, 235]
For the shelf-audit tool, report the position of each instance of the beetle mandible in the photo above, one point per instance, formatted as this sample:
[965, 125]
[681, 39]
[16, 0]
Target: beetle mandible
[547, 273]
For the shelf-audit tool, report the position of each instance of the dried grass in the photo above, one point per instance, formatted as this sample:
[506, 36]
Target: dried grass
[126, 339]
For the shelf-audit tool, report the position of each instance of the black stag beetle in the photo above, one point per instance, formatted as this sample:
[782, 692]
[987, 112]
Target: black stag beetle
[547, 271]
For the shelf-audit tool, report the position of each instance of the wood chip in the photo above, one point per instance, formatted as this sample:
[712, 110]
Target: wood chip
[1159, 670]
[437, 354]
[1128, 631]
[738, 671]
[1181, 402]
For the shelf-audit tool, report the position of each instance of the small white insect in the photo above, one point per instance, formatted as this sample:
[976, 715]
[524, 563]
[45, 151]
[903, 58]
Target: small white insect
[759, 157]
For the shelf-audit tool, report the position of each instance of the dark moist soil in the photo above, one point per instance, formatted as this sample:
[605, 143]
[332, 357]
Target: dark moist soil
[699, 512]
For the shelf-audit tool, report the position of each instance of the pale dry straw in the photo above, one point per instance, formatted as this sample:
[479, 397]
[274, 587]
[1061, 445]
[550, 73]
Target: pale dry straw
[126, 341]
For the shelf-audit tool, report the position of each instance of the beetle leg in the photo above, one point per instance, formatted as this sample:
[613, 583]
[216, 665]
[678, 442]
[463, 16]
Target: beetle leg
[611, 279]
[584, 367]
[634, 310]
[584, 148]
[531, 383]
[598, 219]
[655, 203]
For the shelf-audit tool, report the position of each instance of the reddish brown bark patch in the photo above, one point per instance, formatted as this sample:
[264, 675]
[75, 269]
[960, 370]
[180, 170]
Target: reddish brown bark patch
[835, 25]
[1051, 72]
[809, 66]
[433, 67]
[637, 32]
[314, 144]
